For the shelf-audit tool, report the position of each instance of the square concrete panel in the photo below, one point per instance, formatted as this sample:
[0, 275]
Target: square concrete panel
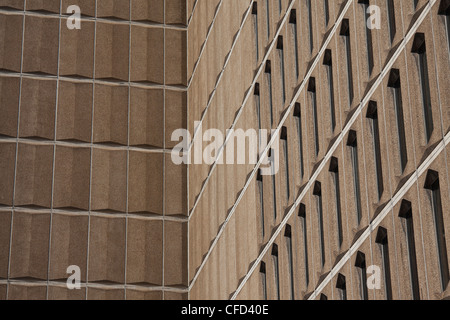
[9, 105]
[34, 175]
[175, 254]
[7, 164]
[144, 252]
[147, 117]
[175, 114]
[145, 183]
[144, 295]
[147, 54]
[69, 245]
[112, 49]
[74, 120]
[114, 9]
[109, 180]
[29, 246]
[176, 12]
[111, 114]
[40, 52]
[43, 5]
[169, 295]
[176, 57]
[107, 250]
[63, 293]
[11, 29]
[5, 233]
[38, 105]
[72, 170]
[77, 50]
[144, 10]
[175, 188]
[27, 292]
[105, 294]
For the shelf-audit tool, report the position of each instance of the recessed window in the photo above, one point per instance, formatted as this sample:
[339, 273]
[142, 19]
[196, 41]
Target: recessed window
[328, 63]
[310, 22]
[268, 72]
[391, 19]
[366, 4]
[293, 22]
[407, 217]
[352, 143]
[259, 181]
[302, 216]
[255, 26]
[341, 285]
[432, 184]
[334, 169]
[262, 272]
[382, 241]
[444, 10]
[395, 85]
[326, 9]
[313, 97]
[318, 194]
[360, 264]
[281, 58]
[284, 142]
[372, 115]
[272, 156]
[276, 269]
[298, 124]
[288, 236]
[345, 33]
[420, 50]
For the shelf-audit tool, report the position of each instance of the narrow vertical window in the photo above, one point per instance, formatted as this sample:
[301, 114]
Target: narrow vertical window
[276, 269]
[323, 297]
[328, 62]
[432, 184]
[279, 6]
[298, 124]
[353, 144]
[318, 194]
[444, 10]
[310, 21]
[415, 3]
[259, 181]
[360, 264]
[391, 19]
[345, 33]
[334, 169]
[293, 22]
[407, 217]
[341, 285]
[372, 115]
[365, 5]
[258, 104]
[395, 85]
[262, 272]
[313, 97]
[255, 25]
[420, 49]
[288, 236]
[382, 241]
[284, 141]
[268, 18]
[268, 72]
[272, 156]
[302, 216]
[327, 11]
[281, 57]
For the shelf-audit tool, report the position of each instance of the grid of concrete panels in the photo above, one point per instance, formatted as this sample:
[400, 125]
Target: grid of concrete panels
[236, 238]
[84, 157]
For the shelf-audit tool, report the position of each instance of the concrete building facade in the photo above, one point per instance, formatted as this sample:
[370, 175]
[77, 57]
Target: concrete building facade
[360, 114]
